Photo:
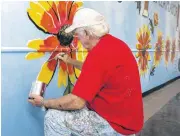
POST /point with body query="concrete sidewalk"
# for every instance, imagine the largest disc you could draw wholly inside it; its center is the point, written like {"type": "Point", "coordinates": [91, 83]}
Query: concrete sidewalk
{"type": "Point", "coordinates": [156, 100]}
{"type": "Point", "coordinates": [162, 111]}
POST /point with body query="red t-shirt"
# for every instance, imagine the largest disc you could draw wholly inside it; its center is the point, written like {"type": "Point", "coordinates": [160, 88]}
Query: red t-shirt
{"type": "Point", "coordinates": [110, 83]}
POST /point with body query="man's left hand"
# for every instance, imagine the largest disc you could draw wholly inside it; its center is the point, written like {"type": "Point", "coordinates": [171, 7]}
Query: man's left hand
{"type": "Point", "coordinates": [36, 100]}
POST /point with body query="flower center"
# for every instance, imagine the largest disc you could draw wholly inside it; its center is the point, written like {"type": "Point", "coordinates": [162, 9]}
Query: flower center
{"type": "Point", "coordinates": [143, 52]}
{"type": "Point", "coordinates": [65, 39]}
{"type": "Point", "coordinates": [158, 48]}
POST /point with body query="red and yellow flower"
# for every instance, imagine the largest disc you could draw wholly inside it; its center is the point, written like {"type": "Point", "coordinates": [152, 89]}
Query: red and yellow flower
{"type": "Point", "coordinates": [143, 37]}
{"type": "Point", "coordinates": [52, 17]}
{"type": "Point", "coordinates": [158, 49]}
{"type": "Point", "coordinates": [167, 51]}
{"type": "Point", "coordinates": [173, 52]}
{"type": "Point", "coordinates": [179, 41]}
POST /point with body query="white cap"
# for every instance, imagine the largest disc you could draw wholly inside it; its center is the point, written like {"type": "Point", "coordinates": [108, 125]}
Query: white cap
{"type": "Point", "coordinates": [85, 17]}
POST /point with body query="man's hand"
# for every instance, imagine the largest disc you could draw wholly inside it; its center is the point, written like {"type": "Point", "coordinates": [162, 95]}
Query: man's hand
{"type": "Point", "coordinates": [36, 100]}
{"type": "Point", "coordinates": [67, 59]}
{"type": "Point", "coordinates": [64, 57]}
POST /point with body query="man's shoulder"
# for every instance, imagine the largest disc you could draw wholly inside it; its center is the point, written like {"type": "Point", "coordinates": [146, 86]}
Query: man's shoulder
{"type": "Point", "coordinates": [110, 39]}
{"type": "Point", "coordinates": [107, 45]}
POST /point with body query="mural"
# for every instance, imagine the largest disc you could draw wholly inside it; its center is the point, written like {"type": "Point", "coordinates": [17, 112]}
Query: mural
{"type": "Point", "coordinates": [157, 53]}
{"type": "Point", "coordinates": [167, 51]}
{"type": "Point", "coordinates": [145, 41]}
{"type": "Point", "coordinates": [53, 17]}
{"type": "Point", "coordinates": [143, 37]}
{"type": "Point", "coordinates": [35, 31]}
{"type": "Point", "coordinates": [173, 52]}
{"type": "Point", "coordinates": [158, 49]}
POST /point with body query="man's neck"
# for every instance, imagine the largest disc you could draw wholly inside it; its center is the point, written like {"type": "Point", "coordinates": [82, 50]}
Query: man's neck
{"type": "Point", "coordinates": [94, 42]}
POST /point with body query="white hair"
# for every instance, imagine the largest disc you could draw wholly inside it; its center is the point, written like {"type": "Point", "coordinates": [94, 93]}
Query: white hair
{"type": "Point", "coordinates": [98, 30]}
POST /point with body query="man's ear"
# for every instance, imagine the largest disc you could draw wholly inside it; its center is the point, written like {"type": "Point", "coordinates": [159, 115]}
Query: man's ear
{"type": "Point", "coordinates": [86, 35]}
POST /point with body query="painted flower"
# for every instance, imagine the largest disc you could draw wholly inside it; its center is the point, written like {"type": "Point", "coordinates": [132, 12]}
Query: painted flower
{"type": "Point", "coordinates": [167, 51]}
{"type": "Point", "coordinates": [158, 50]}
{"type": "Point", "coordinates": [143, 37]}
{"type": "Point", "coordinates": [53, 17]}
{"type": "Point", "coordinates": [173, 52]}
{"type": "Point", "coordinates": [179, 44]}
{"type": "Point", "coordinates": [179, 41]}
{"type": "Point", "coordinates": [156, 19]}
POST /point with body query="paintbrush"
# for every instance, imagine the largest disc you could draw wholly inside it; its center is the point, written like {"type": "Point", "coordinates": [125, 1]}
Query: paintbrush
{"type": "Point", "coordinates": [62, 55]}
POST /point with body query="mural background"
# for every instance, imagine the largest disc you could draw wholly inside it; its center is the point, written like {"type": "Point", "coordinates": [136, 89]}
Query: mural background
{"type": "Point", "coordinates": [18, 116]}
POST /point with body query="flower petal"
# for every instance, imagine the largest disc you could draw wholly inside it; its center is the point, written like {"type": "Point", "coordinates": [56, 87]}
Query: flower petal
{"type": "Point", "coordinates": [148, 56]}
{"type": "Point", "coordinates": [139, 36]}
{"type": "Point", "coordinates": [143, 61]}
{"type": "Point", "coordinates": [79, 3]}
{"type": "Point", "coordinates": [34, 55]}
{"type": "Point", "coordinates": [45, 75]}
{"type": "Point", "coordinates": [69, 69]}
{"type": "Point", "coordinates": [143, 36]}
{"type": "Point", "coordinates": [50, 44]}
{"type": "Point", "coordinates": [74, 44]}
{"type": "Point", "coordinates": [76, 71]}
{"type": "Point", "coordinates": [71, 74]}
{"type": "Point", "coordinates": [47, 45]}
{"type": "Point", "coordinates": [139, 46]}
{"type": "Point", "coordinates": [66, 10]}
{"type": "Point", "coordinates": [61, 7]}
{"type": "Point", "coordinates": [173, 53]}
{"type": "Point", "coordinates": [42, 18]}
{"type": "Point", "coordinates": [167, 51]}
{"type": "Point", "coordinates": [148, 46]}
{"type": "Point", "coordinates": [52, 60]}
{"type": "Point", "coordinates": [81, 52]}
{"type": "Point", "coordinates": [50, 7]}
{"type": "Point", "coordinates": [35, 44]}
{"type": "Point", "coordinates": [62, 77]}
{"type": "Point", "coordinates": [137, 54]}
{"type": "Point", "coordinates": [157, 58]}
{"type": "Point", "coordinates": [81, 55]}
{"type": "Point", "coordinates": [72, 10]}
{"type": "Point", "coordinates": [36, 18]}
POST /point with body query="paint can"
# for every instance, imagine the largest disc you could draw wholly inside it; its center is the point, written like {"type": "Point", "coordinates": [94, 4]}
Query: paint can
{"type": "Point", "coordinates": [38, 88]}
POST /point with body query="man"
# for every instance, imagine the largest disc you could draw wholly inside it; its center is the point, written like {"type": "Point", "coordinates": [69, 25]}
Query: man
{"type": "Point", "coordinates": [107, 98]}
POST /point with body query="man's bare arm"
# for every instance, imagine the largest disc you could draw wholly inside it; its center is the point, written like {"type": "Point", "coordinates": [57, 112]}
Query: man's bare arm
{"type": "Point", "coordinates": [69, 60]}
{"type": "Point", "coordinates": [76, 63]}
{"type": "Point", "coordinates": [67, 102]}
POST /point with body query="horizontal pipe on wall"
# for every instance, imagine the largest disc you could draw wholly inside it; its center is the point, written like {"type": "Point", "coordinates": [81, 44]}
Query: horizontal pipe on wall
{"type": "Point", "coordinates": [16, 49]}
{"type": "Point", "coordinates": [26, 49]}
